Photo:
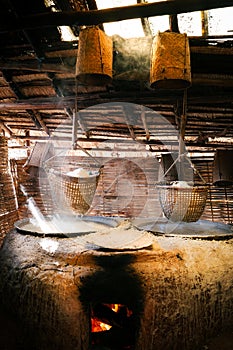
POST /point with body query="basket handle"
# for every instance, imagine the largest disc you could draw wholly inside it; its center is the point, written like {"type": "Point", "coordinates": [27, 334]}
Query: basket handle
{"type": "Point", "coordinates": [85, 151]}
{"type": "Point", "coordinates": [190, 162]}
{"type": "Point", "coordinates": [197, 172]}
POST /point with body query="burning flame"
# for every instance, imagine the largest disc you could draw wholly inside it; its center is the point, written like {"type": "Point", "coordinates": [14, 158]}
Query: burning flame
{"type": "Point", "coordinates": [116, 318]}
{"type": "Point", "coordinates": [115, 307]}
{"type": "Point", "coordinates": [99, 326]}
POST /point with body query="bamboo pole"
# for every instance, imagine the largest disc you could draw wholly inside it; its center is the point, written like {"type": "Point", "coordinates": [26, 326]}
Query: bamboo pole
{"type": "Point", "coordinates": [96, 17]}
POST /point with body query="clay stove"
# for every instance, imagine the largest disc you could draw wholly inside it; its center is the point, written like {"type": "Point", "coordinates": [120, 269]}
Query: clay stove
{"type": "Point", "coordinates": [173, 295]}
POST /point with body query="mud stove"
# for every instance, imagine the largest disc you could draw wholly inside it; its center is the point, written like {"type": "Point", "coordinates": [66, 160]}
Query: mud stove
{"type": "Point", "coordinates": [175, 294]}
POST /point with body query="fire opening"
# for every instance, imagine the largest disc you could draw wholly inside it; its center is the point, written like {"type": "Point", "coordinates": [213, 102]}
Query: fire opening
{"type": "Point", "coordinates": [112, 327]}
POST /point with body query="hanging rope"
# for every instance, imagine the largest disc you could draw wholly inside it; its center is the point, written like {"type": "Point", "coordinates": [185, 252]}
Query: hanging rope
{"type": "Point", "coordinates": [183, 123]}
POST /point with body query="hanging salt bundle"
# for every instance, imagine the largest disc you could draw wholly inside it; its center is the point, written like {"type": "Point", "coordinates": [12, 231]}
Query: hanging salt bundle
{"type": "Point", "coordinates": [170, 61]}
{"type": "Point", "coordinates": [95, 56]}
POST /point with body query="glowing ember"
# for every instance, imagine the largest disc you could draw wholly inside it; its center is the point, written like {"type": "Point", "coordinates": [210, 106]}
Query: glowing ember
{"type": "Point", "coordinates": [98, 323]}
{"type": "Point", "coordinates": [98, 326]}
{"type": "Point", "coordinates": [115, 307]}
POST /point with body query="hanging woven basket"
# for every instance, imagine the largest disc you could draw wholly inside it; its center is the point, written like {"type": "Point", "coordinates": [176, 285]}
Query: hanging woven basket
{"type": "Point", "coordinates": [73, 193]}
{"type": "Point", "coordinates": [170, 61]}
{"type": "Point", "coordinates": [95, 56]}
{"type": "Point", "coordinates": [182, 203]}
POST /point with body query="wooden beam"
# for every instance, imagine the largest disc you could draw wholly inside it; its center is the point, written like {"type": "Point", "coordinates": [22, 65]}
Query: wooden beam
{"type": "Point", "coordinates": [42, 123]}
{"type": "Point", "coordinates": [161, 101]}
{"type": "Point", "coordinates": [130, 127]}
{"type": "Point", "coordinates": [34, 104]}
{"type": "Point", "coordinates": [62, 68]}
{"type": "Point", "coordinates": [8, 78]}
{"type": "Point", "coordinates": [5, 128]}
{"type": "Point", "coordinates": [35, 66]}
{"type": "Point", "coordinates": [143, 117]}
{"type": "Point", "coordinates": [82, 126]}
{"type": "Point", "coordinates": [33, 119]}
{"type": "Point", "coordinates": [211, 50]}
{"type": "Point", "coordinates": [37, 120]}
{"type": "Point", "coordinates": [158, 144]}
{"type": "Point", "coordinates": [96, 17]}
{"type": "Point", "coordinates": [213, 79]}
{"type": "Point", "coordinates": [145, 22]}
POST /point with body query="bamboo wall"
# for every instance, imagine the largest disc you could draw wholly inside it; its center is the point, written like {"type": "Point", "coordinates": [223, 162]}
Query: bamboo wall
{"type": "Point", "coordinates": [219, 205]}
{"type": "Point", "coordinates": [8, 202]}
{"type": "Point", "coordinates": [126, 188]}
{"type": "Point", "coordinates": [29, 185]}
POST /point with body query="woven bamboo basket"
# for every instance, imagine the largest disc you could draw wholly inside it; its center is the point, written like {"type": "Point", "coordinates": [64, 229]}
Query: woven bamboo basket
{"type": "Point", "coordinates": [182, 203]}
{"type": "Point", "coordinates": [170, 61]}
{"type": "Point", "coordinates": [78, 192]}
{"type": "Point", "coordinates": [95, 57]}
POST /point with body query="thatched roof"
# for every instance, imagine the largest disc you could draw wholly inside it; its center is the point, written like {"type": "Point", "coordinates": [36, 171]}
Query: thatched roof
{"type": "Point", "coordinates": [38, 87]}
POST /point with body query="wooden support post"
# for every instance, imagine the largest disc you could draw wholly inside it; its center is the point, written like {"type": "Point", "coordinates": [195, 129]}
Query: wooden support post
{"type": "Point", "coordinates": [74, 130]}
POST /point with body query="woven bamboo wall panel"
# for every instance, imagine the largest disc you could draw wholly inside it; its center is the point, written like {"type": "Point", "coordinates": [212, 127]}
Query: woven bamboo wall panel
{"type": "Point", "coordinates": [126, 188]}
{"type": "Point", "coordinates": [219, 205]}
{"type": "Point", "coordinates": [7, 223]}
{"type": "Point", "coordinates": [29, 186]}
{"type": "Point", "coordinates": [8, 201]}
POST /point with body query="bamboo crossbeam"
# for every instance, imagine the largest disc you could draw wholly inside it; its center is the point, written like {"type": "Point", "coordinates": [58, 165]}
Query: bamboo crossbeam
{"type": "Point", "coordinates": [95, 17]}
{"type": "Point", "coordinates": [5, 128]}
{"type": "Point", "coordinates": [42, 123]}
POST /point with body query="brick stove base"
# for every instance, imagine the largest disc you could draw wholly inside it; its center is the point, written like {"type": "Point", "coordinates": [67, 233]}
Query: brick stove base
{"type": "Point", "coordinates": [180, 291]}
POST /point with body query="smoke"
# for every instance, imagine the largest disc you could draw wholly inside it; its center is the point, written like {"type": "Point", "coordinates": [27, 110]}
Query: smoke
{"type": "Point", "coordinates": [131, 58]}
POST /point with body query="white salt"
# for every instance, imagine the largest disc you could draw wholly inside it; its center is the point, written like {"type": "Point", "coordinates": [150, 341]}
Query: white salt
{"type": "Point", "coordinates": [180, 184]}
{"type": "Point", "coordinates": [80, 172]}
